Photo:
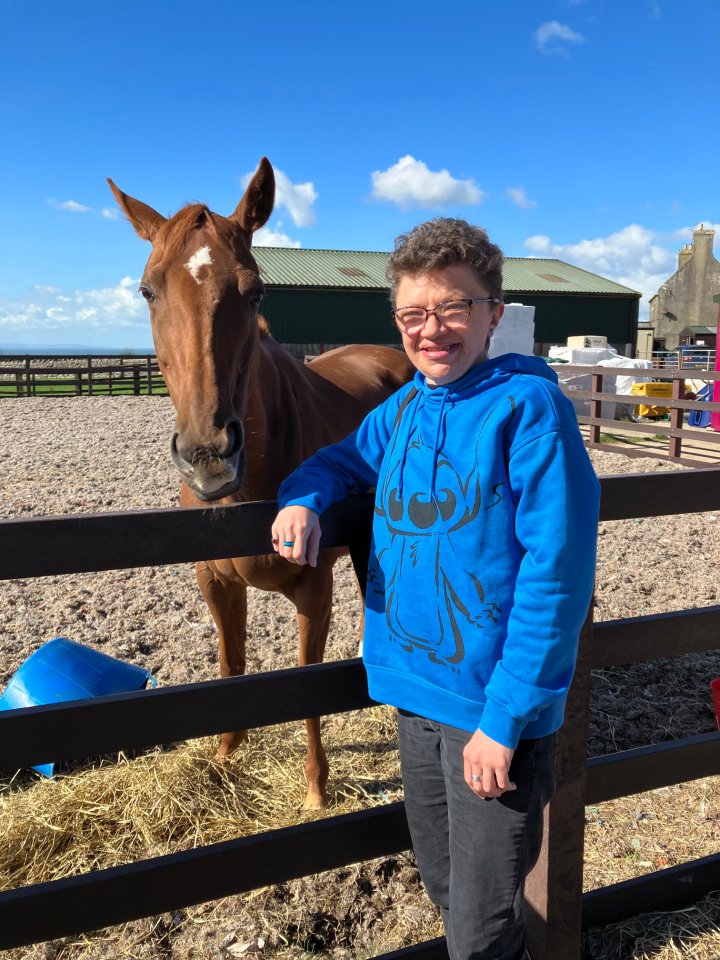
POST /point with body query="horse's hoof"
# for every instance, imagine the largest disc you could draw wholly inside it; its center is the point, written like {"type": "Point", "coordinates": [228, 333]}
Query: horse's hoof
{"type": "Point", "coordinates": [315, 800]}
{"type": "Point", "coordinates": [229, 744]}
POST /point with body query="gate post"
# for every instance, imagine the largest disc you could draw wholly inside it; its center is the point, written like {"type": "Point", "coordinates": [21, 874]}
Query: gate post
{"type": "Point", "coordinates": [676, 420]}
{"type": "Point", "coordinates": [553, 895]}
{"type": "Point", "coordinates": [596, 382]}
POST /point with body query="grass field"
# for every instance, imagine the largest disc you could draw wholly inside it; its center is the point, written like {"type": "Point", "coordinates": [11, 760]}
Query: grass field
{"type": "Point", "coordinates": [68, 387]}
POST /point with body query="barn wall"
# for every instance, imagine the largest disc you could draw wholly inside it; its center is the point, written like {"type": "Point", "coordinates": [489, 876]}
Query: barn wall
{"type": "Point", "coordinates": [363, 316]}
{"type": "Point", "coordinates": [560, 317]}
{"type": "Point", "coordinates": [329, 316]}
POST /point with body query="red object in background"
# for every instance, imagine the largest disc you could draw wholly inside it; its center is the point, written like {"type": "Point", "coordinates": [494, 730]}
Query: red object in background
{"type": "Point", "coordinates": [715, 690]}
{"type": "Point", "coordinates": [715, 417]}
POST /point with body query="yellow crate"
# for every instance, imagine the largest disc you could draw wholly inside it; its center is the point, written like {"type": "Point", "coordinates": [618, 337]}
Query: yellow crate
{"type": "Point", "coordinates": [661, 390]}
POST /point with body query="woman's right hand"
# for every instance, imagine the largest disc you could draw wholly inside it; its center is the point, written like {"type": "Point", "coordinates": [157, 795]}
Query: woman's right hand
{"type": "Point", "coordinates": [296, 535]}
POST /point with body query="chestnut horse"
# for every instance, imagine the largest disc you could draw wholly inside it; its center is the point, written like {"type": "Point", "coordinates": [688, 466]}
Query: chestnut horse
{"type": "Point", "coordinates": [247, 412]}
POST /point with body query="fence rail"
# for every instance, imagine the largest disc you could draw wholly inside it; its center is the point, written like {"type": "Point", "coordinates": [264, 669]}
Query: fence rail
{"type": "Point", "coordinates": [677, 405]}
{"type": "Point", "coordinates": [687, 357]}
{"type": "Point", "coordinates": [88, 376]}
{"type": "Point", "coordinates": [556, 906]}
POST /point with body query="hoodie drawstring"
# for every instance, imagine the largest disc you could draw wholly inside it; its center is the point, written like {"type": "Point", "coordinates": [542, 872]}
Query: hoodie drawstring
{"type": "Point", "coordinates": [419, 400]}
{"type": "Point", "coordinates": [404, 454]}
{"type": "Point", "coordinates": [436, 444]}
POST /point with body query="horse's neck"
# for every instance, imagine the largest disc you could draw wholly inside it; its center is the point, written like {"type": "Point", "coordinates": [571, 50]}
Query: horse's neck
{"type": "Point", "coordinates": [275, 433]}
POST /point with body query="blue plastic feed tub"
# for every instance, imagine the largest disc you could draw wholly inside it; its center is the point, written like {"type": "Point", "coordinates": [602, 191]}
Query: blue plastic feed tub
{"type": "Point", "coordinates": [701, 418]}
{"type": "Point", "coordinates": [61, 670]}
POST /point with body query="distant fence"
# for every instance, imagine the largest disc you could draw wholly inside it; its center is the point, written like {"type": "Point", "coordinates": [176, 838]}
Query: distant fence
{"type": "Point", "coordinates": [687, 358]}
{"type": "Point", "coordinates": [557, 908]}
{"type": "Point", "coordinates": [677, 405]}
{"type": "Point", "coordinates": [47, 375]}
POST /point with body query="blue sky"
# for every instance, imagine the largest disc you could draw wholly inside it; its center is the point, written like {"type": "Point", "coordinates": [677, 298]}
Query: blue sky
{"type": "Point", "coordinates": [581, 129]}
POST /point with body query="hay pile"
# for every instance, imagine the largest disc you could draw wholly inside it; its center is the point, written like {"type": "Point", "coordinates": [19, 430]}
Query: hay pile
{"type": "Point", "coordinates": [162, 802]}
{"type": "Point", "coordinates": [115, 812]}
{"type": "Point", "coordinates": [692, 934]}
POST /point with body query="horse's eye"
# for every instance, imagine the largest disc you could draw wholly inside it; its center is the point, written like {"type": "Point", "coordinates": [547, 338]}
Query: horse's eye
{"type": "Point", "coordinates": [255, 299]}
{"type": "Point", "coordinates": [147, 293]}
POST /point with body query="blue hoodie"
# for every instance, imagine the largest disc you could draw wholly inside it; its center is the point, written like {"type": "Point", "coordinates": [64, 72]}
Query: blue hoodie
{"type": "Point", "coordinates": [483, 553]}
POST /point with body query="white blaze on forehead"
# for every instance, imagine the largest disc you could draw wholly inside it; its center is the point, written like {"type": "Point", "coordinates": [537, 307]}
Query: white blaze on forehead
{"type": "Point", "coordinates": [201, 258]}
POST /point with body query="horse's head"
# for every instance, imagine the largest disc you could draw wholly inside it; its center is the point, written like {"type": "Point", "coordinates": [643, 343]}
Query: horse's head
{"type": "Point", "coordinates": [203, 289]}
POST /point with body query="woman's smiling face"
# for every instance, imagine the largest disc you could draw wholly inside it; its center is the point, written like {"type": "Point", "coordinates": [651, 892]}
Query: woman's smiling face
{"type": "Point", "coordinates": [442, 354]}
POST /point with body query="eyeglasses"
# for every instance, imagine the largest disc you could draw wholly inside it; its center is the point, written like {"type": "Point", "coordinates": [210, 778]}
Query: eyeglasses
{"type": "Point", "coordinates": [452, 313]}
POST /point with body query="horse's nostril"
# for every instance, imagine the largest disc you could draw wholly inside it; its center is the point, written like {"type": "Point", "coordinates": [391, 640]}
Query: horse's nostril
{"type": "Point", "coordinates": [235, 438]}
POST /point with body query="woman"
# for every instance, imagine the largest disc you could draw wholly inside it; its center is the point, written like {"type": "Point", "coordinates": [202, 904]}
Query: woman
{"type": "Point", "coordinates": [479, 580]}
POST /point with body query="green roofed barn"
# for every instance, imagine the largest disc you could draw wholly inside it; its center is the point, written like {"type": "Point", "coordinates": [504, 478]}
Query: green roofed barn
{"type": "Point", "coordinates": [319, 298]}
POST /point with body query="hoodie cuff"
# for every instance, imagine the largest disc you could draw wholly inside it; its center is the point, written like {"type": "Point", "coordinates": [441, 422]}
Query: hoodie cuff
{"type": "Point", "coordinates": [497, 724]}
{"type": "Point", "coordinates": [311, 501]}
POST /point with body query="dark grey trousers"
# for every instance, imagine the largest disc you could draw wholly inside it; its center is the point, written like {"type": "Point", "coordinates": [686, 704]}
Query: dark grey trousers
{"type": "Point", "coordinates": [474, 854]}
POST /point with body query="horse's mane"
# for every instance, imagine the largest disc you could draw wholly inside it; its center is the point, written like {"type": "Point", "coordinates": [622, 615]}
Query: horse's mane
{"type": "Point", "coordinates": [178, 228]}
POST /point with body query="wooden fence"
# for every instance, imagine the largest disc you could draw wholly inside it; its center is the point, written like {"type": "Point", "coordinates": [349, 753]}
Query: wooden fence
{"type": "Point", "coordinates": [140, 375]}
{"type": "Point", "coordinates": [64, 376]}
{"type": "Point", "coordinates": [557, 908]}
{"type": "Point", "coordinates": [677, 404]}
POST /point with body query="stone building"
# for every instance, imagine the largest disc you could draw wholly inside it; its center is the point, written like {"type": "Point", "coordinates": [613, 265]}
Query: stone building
{"type": "Point", "coordinates": [682, 311]}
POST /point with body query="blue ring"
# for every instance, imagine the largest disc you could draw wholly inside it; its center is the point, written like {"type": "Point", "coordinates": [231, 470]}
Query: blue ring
{"type": "Point", "coordinates": [289, 543]}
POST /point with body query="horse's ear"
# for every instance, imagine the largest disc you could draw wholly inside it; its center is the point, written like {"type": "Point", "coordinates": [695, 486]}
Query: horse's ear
{"type": "Point", "coordinates": [255, 208]}
{"type": "Point", "coordinates": [144, 219]}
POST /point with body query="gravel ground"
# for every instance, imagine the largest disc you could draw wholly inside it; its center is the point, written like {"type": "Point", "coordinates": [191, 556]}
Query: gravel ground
{"type": "Point", "coordinates": [105, 454]}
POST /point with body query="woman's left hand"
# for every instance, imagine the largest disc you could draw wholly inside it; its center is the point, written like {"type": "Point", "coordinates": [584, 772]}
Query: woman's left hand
{"type": "Point", "coordinates": [296, 535]}
{"type": "Point", "coordinates": [487, 766]}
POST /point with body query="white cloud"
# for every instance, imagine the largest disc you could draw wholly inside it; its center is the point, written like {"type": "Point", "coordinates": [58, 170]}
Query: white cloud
{"type": "Point", "coordinates": [551, 34]}
{"type": "Point", "coordinates": [48, 309]}
{"type": "Point", "coordinates": [632, 256]}
{"type": "Point", "coordinates": [296, 198]}
{"type": "Point", "coordinates": [520, 198]}
{"type": "Point", "coordinates": [268, 237]}
{"type": "Point", "coordinates": [72, 206]}
{"type": "Point", "coordinates": [409, 183]}
{"type": "Point", "coordinates": [685, 233]}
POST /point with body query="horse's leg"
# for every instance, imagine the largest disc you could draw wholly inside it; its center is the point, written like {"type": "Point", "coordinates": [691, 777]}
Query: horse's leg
{"type": "Point", "coordinates": [227, 601]}
{"type": "Point", "coordinates": [311, 593]}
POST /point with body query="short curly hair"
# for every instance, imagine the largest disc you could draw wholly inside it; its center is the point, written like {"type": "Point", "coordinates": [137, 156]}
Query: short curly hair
{"type": "Point", "coordinates": [444, 242]}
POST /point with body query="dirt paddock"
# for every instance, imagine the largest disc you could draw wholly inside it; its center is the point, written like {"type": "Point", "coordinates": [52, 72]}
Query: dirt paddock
{"type": "Point", "coordinates": [104, 454]}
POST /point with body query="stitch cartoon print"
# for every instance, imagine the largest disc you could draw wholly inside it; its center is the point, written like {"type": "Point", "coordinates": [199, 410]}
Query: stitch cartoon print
{"type": "Point", "coordinates": [426, 530]}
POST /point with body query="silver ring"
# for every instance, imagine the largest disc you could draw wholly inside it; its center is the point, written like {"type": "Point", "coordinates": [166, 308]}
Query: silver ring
{"type": "Point", "coordinates": [475, 778]}
{"type": "Point", "coordinates": [289, 543]}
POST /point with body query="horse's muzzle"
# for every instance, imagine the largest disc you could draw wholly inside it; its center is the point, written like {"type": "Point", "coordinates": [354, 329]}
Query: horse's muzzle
{"type": "Point", "coordinates": [211, 472]}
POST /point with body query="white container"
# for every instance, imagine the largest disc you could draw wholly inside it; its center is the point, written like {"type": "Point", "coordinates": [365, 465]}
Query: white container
{"type": "Point", "coordinates": [623, 383]}
{"type": "Point", "coordinates": [571, 382]}
{"type": "Point", "coordinates": [515, 333]}
{"type": "Point", "coordinates": [585, 355]}
{"type": "Point", "coordinates": [587, 341]}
